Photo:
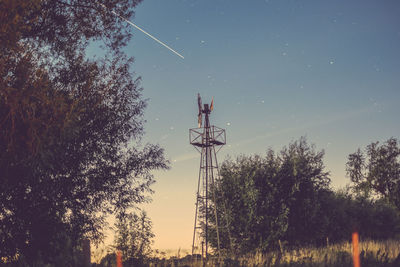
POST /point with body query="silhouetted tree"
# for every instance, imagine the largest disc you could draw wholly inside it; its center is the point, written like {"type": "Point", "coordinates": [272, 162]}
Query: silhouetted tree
{"type": "Point", "coordinates": [303, 180]}
{"type": "Point", "coordinates": [271, 198]}
{"type": "Point", "coordinates": [286, 196]}
{"type": "Point", "coordinates": [341, 212]}
{"type": "Point", "coordinates": [70, 126]}
{"type": "Point", "coordinates": [241, 199]}
{"type": "Point", "coordinates": [134, 237]}
{"type": "Point", "coordinates": [376, 172]}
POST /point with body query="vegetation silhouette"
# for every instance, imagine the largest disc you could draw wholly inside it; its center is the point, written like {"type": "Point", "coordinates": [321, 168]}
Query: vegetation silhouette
{"type": "Point", "coordinates": [285, 199]}
{"type": "Point", "coordinates": [70, 126]}
{"type": "Point", "coordinates": [376, 172]}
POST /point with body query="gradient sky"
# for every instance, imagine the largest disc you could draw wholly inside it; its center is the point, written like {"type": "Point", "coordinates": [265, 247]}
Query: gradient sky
{"type": "Point", "coordinates": [278, 70]}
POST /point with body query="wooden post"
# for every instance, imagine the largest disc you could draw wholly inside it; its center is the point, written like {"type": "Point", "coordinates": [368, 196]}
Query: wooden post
{"type": "Point", "coordinates": [119, 259]}
{"type": "Point", "coordinates": [356, 255]}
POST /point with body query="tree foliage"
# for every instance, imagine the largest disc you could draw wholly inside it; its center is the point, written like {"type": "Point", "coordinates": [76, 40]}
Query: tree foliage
{"type": "Point", "coordinates": [70, 126]}
{"type": "Point", "coordinates": [134, 237]}
{"type": "Point", "coordinates": [376, 171]}
{"type": "Point", "coordinates": [271, 198]}
{"type": "Point", "coordinates": [286, 197]}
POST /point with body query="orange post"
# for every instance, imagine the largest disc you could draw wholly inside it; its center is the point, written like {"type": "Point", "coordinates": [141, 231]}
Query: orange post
{"type": "Point", "coordinates": [119, 259]}
{"type": "Point", "coordinates": [356, 255]}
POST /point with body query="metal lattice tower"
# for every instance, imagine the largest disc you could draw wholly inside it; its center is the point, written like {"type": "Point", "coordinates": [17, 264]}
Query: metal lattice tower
{"type": "Point", "coordinates": [208, 140]}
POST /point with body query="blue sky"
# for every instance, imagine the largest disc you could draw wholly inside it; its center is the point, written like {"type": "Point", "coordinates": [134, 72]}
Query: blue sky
{"type": "Point", "coordinates": [278, 70]}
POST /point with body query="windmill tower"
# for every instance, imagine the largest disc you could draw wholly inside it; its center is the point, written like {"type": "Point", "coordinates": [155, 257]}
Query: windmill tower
{"type": "Point", "coordinates": [208, 140]}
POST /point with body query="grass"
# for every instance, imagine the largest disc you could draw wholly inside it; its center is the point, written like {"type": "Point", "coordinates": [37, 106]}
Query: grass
{"type": "Point", "coordinates": [372, 254]}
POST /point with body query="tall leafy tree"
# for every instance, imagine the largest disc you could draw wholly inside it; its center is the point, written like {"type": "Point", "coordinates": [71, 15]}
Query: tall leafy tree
{"type": "Point", "coordinates": [303, 181]}
{"type": "Point", "coordinates": [245, 190]}
{"type": "Point", "coordinates": [266, 199]}
{"type": "Point", "coordinates": [70, 126]}
{"type": "Point", "coordinates": [376, 171]}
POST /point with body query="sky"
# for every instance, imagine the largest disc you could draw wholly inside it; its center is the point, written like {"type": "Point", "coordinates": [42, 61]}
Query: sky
{"type": "Point", "coordinates": [278, 70]}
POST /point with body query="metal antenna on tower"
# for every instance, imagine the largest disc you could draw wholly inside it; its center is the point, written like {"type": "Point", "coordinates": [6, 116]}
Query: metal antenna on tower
{"type": "Point", "coordinates": [208, 140]}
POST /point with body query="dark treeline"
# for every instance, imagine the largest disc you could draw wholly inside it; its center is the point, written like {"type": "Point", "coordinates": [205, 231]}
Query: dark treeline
{"type": "Point", "coordinates": [285, 199]}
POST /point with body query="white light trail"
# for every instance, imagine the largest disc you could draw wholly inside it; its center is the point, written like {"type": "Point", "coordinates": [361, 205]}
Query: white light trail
{"type": "Point", "coordinates": [148, 34]}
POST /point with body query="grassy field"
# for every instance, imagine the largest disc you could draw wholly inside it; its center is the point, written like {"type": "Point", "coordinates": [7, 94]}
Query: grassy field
{"type": "Point", "coordinates": [372, 254]}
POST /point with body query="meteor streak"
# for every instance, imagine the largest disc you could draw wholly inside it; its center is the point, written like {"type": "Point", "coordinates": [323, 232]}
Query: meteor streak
{"type": "Point", "coordinates": [140, 29]}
